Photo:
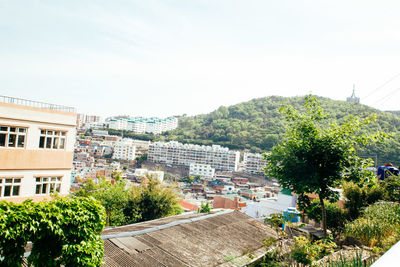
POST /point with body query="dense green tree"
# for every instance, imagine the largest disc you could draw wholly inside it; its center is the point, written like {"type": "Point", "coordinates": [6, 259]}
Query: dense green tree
{"type": "Point", "coordinates": [155, 201]}
{"type": "Point", "coordinates": [126, 204]}
{"type": "Point", "coordinates": [315, 155]}
{"type": "Point", "coordinates": [113, 197]}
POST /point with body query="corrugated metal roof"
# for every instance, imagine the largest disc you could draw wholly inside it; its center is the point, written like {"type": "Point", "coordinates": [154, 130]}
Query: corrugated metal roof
{"type": "Point", "coordinates": [187, 240]}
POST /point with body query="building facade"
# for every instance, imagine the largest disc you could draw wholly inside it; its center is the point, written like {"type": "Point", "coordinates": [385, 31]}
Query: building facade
{"type": "Point", "coordinates": [177, 154]}
{"type": "Point", "coordinates": [36, 149]}
{"type": "Point", "coordinates": [202, 170]}
{"type": "Point", "coordinates": [83, 119]}
{"type": "Point", "coordinates": [141, 125]}
{"type": "Point", "coordinates": [124, 150]}
{"type": "Point", "coordinates": [254, 163]}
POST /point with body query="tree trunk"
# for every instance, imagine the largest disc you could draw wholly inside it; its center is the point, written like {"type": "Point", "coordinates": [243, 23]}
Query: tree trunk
{"type": "Point", "coordinates": [321, 200]}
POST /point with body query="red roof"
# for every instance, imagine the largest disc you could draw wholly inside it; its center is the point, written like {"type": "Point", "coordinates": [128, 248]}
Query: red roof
{"type": "Point", "coordinates": [188, 206]}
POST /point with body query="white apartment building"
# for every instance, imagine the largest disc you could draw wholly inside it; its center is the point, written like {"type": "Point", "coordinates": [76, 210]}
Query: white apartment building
{"type": "Point", "coordinates": [203, 170]}
{"type": "Point", "coordinates": [174, 153]}
{"type": "Point", "coordinates": [118, 124]}
{"type": "Point", "coordinates": [36, 149]}
{"type": "Point", "coordinates": [124, 150]}
{"type": "Point", "coordinates": [83, 119]}
{"type": "Point", "coordinates": [254, 163]}
{"type": "Point", "coordinates": [141, 125]}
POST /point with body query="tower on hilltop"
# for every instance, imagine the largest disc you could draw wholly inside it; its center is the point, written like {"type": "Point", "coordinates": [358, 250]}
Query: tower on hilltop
{"type": "Point", "coordinates": [353, 97]}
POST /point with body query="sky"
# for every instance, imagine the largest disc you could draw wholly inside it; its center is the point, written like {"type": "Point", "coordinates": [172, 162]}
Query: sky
{"type": "Point", "coordinates": [173, 57]}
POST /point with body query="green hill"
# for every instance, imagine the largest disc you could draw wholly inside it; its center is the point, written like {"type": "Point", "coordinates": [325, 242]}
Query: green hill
{"type": "Point", "coordinates": [257, 125]}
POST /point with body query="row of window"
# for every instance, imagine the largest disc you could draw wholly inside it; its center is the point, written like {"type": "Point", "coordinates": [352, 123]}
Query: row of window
{"type": "Point", "coordinates": [15, 137]}
{"type": "Point", "coordinates": [10, 187]}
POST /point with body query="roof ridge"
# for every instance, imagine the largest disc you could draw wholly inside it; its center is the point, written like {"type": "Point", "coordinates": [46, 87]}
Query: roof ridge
{"type": "Point", "coordinates": [164, 226]}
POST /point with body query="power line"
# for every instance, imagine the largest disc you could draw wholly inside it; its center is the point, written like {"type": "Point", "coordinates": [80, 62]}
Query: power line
{"type": "Point", "coordinates": [383, 98]}
{"type": "Point", "coordinates": [381, 86]}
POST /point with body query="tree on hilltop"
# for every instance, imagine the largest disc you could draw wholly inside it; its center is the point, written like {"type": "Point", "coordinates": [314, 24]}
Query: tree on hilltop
{"type": "Point", "coordinates": [316, 155]}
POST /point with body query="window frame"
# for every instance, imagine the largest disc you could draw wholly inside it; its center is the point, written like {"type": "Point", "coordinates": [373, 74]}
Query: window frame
{"type": "Point", "coordinates": [52, 139]}
{"type": "Point", "coordinates": [16, 182]}
{"type": "Point", "coordinates": [18, 133]}
{"type": "Point", "coordinates": [50, 184]}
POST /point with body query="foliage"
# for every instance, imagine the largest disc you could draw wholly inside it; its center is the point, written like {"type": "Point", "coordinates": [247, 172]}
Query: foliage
{"type": "Point", "coordinates": [379, 226]}
{"type": "Point", "coordinates": [140, 159]}
{"type": "Point", "coordinates": [272, 258]}
{"type": "Point", "coordinates": [276, 220]}
{"type": "Point", "coordinates": [188, 179]}
{"type": "Point", "coordinates": [335, 216]}
{"type": "Point", "coordinates": [126, 204]}
{"type": "Point", "coordinates": [257, 125]}
{"type": "Point", "coordinates": [71, 225]}
{"type": "Point", "coordinates": [156, 201]}
{"type": "Point", "coordinates": [391, 188]}
{"type": "Point", "coordinates": [205, 207]}
{"type": "Point", "coordinates": [360, 196]}
{"type": "Point", "coordinates": [315, 154]}
{"type": "Point", "coordinates": [130, 134]}
{"type": "Point", "coordinates": [355, 261]}
{"type": "Point", "coordinates": [307, 252]}
{"type": "Point", "coordinates": [113, 197]}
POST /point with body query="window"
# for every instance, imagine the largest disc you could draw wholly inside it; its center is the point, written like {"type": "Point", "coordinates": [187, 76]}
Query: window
{"type": "Point", "coordinates": [9, 187]}
{"type": "Point", "coordinates": [47, 185]}
{"type": "Point", "coordinates": [50, 139]}
{"type": "Point", "coordinates": [11, 136]}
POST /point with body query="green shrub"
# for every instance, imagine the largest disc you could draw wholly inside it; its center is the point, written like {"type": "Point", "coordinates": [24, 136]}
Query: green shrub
{"type": "Point", "coordinates": [307, 252]}
{"type": "Point", "coordinates": [391, 188]}
{"type": "Point", "coordinates": [125, 204]}
{"type": "Point", "coordinates": [65, 231]}
{"type": "Point", "coordinates": [379, 226]}
{"type": "Point", "coordinates": [205, 208]}
{"type": "Point", "coordinates": [359, 197]}
{"type": "Point", "coordinates": [335, 215]}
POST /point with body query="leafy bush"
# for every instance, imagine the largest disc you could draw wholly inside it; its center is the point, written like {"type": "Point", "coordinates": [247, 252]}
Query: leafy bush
{"type": "Point", "coordinates": [391, 188]}
{"type": "Point", "coordinates": [65, 231]}
{"type": "Point", "coordinates": [359, 197]}
{"type": "Point", "coordinates": [379, 226]}
{"type": "Point", "coordinates": [155, 201]}
{"type": "Point", "coordinates": [335, 216]}
{"type": "Point", "coordinates": [126, 204]}
{"type": "Point", "coordinates": [205, 208]}
{"type": "Point", "coordinates": [306, 252]}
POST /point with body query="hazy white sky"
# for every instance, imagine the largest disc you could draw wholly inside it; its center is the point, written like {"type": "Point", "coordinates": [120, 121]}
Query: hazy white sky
{"type": "Point", "coordinates": [172, 57]}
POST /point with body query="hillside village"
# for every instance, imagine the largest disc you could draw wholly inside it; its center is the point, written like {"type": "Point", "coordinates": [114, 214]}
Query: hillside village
{"type": "Point", "coordinates": [231, 184]}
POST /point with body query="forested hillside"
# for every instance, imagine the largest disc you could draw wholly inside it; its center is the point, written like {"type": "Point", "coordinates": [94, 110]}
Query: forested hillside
{"type": "Point", "coordinates": [257, 125]}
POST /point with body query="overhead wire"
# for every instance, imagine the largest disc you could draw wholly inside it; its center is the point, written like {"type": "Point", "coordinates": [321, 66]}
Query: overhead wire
{"type": "Point", "coordinates": [386, 96]}
{"type": "Point", "coordinates": [381, 86]}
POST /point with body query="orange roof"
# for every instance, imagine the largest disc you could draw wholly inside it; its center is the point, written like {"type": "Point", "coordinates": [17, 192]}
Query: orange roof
{"type": "Point", "coordinates": [188, 206]}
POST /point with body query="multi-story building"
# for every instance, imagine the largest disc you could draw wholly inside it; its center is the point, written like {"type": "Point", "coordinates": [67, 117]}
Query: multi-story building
{"type": "Point", "coordinates": [142, 125]}
{"type": "Point", "coordinates": [142, 147]}
{"type": "Point", "coordinates": [124, 150]}
{"type": "Point", "coordinates": [36, 149]}
{"type": "Point", "coordinates": [254, 162]}
{"type": "Point", "coordinates": [202, 170]}
{"type": "Point", "coordinates": [83, 119]}
{"type": "Point", "coordinates": [174, 153]}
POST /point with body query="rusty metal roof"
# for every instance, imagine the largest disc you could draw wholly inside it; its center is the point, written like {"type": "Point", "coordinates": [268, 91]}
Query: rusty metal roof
{"type": "Point", "coordinates": [224, 238]}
